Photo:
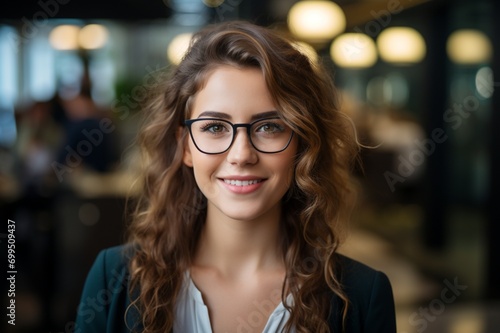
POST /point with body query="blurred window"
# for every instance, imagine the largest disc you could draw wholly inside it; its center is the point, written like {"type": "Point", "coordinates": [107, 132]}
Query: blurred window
{"type": "Point", "coordinates": [8, 85]}
{"type": "Point", "coordinates": [40, 77]}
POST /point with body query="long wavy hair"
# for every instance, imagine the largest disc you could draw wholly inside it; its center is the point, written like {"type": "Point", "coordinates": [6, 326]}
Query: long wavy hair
{"type": "Point", "coordinates": [171, 211]}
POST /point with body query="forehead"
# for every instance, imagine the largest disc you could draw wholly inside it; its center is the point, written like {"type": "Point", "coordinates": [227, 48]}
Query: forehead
{"type": "Point", "coordinates": [238, 92]}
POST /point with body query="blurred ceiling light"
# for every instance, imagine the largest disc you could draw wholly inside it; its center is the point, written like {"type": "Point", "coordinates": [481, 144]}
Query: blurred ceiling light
{"type": "Point", "coordinates": [316, 21]}
{"type": "Point", "coordinates": [353, 50]}
{"type": "Point", "coordinates": [401, 45]}
{"type": "Point", "coordinates": [64, 37]}
{"type": "Point", "coordinates": [468, 46]}
{"type": "Point", "coordinates": [306, 50]}
{"type": "Point", "coordinates": [213, 3]}
{"type": "Point", "coordinates": [178, 47]}
{"type": "Point", "coordinates": [93, 36]}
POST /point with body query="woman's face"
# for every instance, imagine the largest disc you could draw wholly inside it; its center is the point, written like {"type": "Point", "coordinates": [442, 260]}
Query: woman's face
{"type": "Point", "coordinates": [240, 183]}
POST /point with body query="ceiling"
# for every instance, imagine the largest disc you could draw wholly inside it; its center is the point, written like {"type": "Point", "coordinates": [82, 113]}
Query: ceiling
{"type": "Point", "coordinates": [357, 11]}
{"type": "Point", "coordinates": [86, 9]}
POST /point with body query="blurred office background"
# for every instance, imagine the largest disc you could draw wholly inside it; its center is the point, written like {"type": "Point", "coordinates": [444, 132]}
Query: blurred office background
{"type": "Point", "coordinates": [418, 78]}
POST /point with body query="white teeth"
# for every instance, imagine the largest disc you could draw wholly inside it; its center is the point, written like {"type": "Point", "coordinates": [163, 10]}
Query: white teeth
{"type": "Point", "coordinates": [241, 182]}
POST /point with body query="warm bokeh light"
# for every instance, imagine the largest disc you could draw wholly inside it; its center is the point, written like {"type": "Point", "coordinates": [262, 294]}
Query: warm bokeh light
{"type": "Point", "coordinates": [64, 37]}
{"type": "Point", "coordinates": [468, 46]}
{"type": "Point", "coordinates": [93, 36]}
{"type": "Point", "coordinates": [307, 50]}
{"type": "Point", "coordinates": [353, 50]}
{"type": "Point", "coordinates": [401, 45]}
{"type": "Point", "coordinates": [178, 47]}
{"type": "Point", "coordinates": [316, 21]}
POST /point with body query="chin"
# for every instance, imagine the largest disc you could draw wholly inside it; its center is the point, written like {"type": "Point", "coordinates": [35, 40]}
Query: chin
{"type": "Point", "coordinates": [247, 213]}
{"type": "Point", "coordinates": [241, 217]}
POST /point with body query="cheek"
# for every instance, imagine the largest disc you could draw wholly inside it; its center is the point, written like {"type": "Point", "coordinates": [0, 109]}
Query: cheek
{"type": "Point", "coordinates": [286, 168]}
{"type": "Point", "coordinates": [204, 169]}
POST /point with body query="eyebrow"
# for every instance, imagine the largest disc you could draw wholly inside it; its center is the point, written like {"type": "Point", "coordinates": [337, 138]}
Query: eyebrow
{"type": "Point", "coordinates": [222, 115]}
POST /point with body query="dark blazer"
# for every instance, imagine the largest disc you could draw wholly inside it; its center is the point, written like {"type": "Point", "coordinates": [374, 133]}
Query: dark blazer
{"type": "Point", "coordinates": [105, 297]}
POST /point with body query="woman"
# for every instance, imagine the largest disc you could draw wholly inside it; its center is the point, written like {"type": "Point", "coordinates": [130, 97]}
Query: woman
{"type": "Point", "coordinates": [246, 192]}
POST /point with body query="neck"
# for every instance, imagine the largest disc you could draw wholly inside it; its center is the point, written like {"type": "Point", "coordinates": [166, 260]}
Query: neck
{"type": "Point", "coordinates": [235, 247]}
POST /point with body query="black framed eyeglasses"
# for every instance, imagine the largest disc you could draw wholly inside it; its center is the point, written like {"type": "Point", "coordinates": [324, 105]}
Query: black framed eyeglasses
{"type": "Point", "coordinates": [215, 136]}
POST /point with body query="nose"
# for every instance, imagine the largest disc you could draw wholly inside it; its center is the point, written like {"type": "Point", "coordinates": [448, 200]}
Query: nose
{"type": "Point", "coordinates": [241, 151]}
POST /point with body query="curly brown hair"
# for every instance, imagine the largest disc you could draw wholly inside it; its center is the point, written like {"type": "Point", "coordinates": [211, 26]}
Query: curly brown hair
{"type": "Point", "coordinates": [171, 211]}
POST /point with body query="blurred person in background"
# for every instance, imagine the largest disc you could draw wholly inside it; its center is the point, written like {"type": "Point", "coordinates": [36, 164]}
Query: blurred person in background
{"type": "Point", "coordinates": [86, 143]}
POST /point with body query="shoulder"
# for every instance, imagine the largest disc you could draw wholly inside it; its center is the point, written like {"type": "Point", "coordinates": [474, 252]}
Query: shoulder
{"type": "Point", "coordinates": [105, 296]}
{"type": "Point", "coordinates": [111, 264]}
{"type": "Point", "coordinates": [371, 301]}
{"type": "Point", "coordinates": [360, 280]}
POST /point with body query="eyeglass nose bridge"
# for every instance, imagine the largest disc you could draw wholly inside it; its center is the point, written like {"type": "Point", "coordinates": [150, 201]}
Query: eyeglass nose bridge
{"type": "Point", "coordinates": [248, 130]}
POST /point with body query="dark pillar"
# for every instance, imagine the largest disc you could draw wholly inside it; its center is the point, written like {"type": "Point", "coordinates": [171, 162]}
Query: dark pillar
{"type": "Point", "coordinates": [436, 187]}
{"type": "Point", "coordinates": [493, 227]}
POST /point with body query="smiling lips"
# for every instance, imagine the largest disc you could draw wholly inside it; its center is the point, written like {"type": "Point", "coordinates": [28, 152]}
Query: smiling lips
{"type": "Point", "coordinates": [241, 182]}
{"type": "Point", "coordinates": [242, 186]}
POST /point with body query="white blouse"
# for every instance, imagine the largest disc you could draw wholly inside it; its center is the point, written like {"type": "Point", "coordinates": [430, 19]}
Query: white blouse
{"type": "Point", "coordinates": [192, 313]}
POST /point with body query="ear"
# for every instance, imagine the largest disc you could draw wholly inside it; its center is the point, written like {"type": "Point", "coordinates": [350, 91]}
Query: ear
{"type": "Point", "coordinates": [186, 157]}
